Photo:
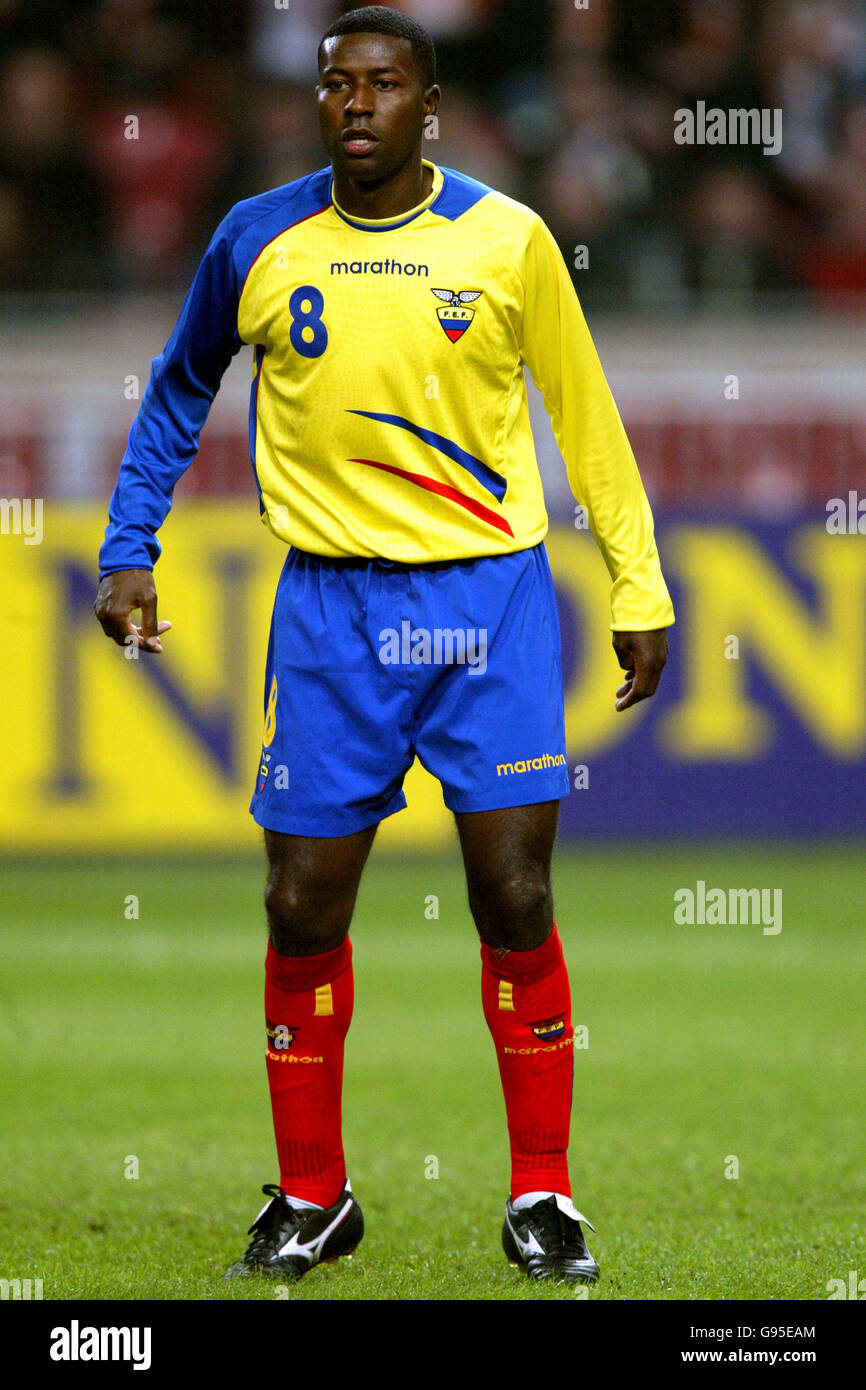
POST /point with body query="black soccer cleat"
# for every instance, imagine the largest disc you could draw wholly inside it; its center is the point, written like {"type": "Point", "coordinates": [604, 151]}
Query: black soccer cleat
{"type": "Point", "coordinates": [546, 1240]}
{"type": "Point", "coordinates": [288, 1241]}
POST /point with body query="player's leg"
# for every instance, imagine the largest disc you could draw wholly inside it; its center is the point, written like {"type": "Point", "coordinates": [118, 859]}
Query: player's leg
{"type": "Point", "coordinates": [495, 737]}
{"type": "Point", "coordinates": [527, 1006]}
{"type": "Point", "coordinates": [311, 889]}
{"type": "Point", "coordinates": [334, 751]}
{"type": "Point", "coordinates": [309, 995]}
{"type": "Point", "coordinates": [507, 854]}
{"type": "Point", "coordinates": [525, 987]}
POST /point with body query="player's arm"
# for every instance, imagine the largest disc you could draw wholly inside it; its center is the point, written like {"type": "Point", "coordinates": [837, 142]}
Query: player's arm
{"type": "Point", "coordinates": [561, 356]}
{"type": "Point", "coordinates": [163, 442]}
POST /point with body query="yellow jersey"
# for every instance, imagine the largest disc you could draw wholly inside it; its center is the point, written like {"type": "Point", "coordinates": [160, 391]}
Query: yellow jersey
{"type": "Point", "coordinates": [388, 413]}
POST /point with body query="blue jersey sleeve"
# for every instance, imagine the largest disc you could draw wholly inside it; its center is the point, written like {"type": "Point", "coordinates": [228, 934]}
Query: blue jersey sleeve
{"type": "Point", "coordinates": [183, 382]}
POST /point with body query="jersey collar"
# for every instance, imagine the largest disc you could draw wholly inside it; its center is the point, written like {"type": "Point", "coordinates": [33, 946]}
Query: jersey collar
{"type": "Point", "coordinates": [387, 224]}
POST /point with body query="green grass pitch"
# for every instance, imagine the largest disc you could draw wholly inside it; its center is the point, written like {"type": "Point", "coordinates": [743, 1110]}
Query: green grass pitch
{"type": "Point", "coordinates": [143, 1039]}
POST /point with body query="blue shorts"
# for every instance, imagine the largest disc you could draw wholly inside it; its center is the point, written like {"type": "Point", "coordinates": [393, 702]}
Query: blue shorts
{"type": "Point", "coordinates": [371, 663]}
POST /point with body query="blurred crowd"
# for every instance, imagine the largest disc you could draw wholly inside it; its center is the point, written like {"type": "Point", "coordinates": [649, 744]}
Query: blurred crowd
{"type": "Point", "coordinates": [128, 128]}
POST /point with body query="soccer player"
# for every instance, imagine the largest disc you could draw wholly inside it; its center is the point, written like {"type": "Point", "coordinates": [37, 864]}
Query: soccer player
{"type": "Point", "coordinates": [391, 306]}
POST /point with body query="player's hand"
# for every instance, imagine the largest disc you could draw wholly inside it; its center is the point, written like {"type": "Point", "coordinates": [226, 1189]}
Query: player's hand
{"type": "Point", "coordinates": [642, 655]}
{"type": "Point", "coordinates": [120, 594]}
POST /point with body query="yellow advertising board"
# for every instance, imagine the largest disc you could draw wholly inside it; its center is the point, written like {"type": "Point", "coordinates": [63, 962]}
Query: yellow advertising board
{"type": "Point", "coordinates": [102, 751]}
{"type": "Point", "coordinates": [761, 723]}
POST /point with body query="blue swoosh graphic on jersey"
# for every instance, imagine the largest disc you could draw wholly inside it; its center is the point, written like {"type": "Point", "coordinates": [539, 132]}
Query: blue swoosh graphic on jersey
{"type": "Point", "coordinates": [488, 477]}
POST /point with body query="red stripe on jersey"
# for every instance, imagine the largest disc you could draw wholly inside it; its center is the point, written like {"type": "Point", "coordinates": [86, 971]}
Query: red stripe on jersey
{"type": "Point", "coordinates": [443, 490]}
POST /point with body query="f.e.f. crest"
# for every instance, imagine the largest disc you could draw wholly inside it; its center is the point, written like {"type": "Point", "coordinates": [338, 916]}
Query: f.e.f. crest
{"type": "Point", "coordinates": [456, 318]}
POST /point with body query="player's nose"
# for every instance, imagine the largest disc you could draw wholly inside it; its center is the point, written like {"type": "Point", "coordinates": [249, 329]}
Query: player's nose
{"type": "Point", "coordinates": [360, 101]}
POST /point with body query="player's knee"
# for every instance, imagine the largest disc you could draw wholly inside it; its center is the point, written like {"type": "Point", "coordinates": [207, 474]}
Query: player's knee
{"type": "Point", "coordinates": [304, 918]}
{"type": "Point", "coordinates": [515, 904]}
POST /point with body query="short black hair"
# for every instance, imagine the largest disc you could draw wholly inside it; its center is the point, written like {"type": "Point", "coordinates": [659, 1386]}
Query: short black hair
{"type": "Point", "coordinates": [379, 19]}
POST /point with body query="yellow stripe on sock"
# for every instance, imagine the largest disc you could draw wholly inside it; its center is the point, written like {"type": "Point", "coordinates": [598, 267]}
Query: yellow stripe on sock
{"type": "Point", "coordinates": [324, 1000]}
{"type": "Point", "coordinates": [506, 994]}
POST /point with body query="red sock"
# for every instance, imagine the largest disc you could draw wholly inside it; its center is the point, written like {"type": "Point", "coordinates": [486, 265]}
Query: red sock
{"type": "Point", "coordinates": [308, 1008]}
{"type": "Point", "coordinates": [527, 1005]}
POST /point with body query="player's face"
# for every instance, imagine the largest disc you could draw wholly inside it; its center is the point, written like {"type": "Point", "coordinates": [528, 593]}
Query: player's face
{"type": "Point", "coordinates": [371, 104]}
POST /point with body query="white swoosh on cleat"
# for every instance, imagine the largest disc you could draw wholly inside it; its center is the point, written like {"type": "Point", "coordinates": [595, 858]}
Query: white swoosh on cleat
{"type": "Point", "coordinates": [311, 1249]}
{"type": "Point", "coordinates": [526, 1247]}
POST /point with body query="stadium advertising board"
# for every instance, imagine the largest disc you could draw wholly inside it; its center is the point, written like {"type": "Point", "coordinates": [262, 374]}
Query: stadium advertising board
{"type": "Point", "coordinates": [759, 726]}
